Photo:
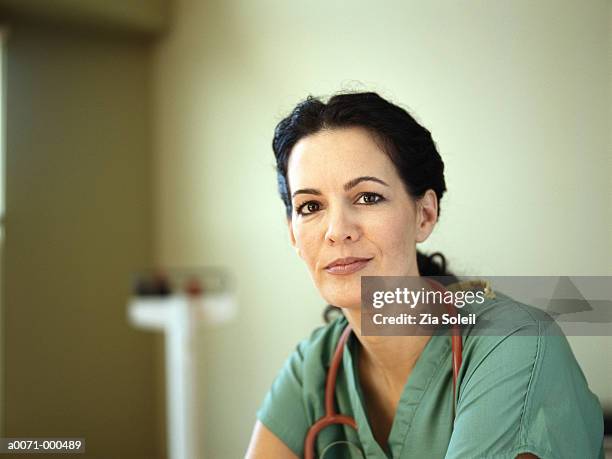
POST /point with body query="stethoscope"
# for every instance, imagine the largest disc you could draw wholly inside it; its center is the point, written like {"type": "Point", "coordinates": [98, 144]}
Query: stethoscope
{"type": "Point", "coordinates": [331, 417]}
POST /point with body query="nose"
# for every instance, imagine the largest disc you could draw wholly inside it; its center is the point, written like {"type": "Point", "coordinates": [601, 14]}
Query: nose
{"type": "Point", "coordinates": [341, 228]}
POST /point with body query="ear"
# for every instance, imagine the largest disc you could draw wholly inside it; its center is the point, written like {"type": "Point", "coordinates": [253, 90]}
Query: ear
{"type": "Point", "coordinates": [426, 215]}
{"type": "Point", "coordinates": [292, 237]}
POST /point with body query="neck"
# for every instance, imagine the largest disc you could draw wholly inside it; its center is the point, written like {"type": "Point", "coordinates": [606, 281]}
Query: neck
{"type": "Point", "coordinates": [391, 358]}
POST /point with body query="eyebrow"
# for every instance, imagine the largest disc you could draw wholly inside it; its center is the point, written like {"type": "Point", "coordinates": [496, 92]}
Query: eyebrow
{"type": "Point", "coordinates": [347, 186]}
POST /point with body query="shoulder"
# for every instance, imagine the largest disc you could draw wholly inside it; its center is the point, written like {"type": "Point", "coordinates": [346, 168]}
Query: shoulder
{"type": "Point", "coordinates": [306, 366]}
{"type": "Point", "coordinates": [506, 325]}
{"type": "Point", "coordinates": [315, 351]}
{"type": "Point", "coordinates": [520, 337]}
{"type": "Point", "coordinates": [517, 361]}
{"type": "Point", "coordinates": [288, 407]}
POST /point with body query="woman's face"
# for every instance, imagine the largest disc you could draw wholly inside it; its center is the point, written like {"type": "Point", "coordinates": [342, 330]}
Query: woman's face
{"type": "Point", "coordinates": [352, 216]}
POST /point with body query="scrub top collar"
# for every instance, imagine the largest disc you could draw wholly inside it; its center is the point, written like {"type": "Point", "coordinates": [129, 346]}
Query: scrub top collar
{"type": "Point", "coordinates": [435, 353]}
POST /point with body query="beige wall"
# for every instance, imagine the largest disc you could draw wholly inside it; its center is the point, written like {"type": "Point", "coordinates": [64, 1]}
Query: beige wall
{"type": "Point", "coordinates": [517, 96]}
{"type": "Point", "coordinates": [78, 224]}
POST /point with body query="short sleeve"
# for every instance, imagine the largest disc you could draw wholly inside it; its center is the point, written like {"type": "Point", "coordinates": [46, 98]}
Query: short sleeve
{"type": "Point", "coordinates": [527, 394]}
{"type": "Point", "coordinates": [283, 411]}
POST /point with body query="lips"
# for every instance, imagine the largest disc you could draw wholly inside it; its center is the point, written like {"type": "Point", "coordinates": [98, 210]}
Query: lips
{"type": "Point", "coordinates": [347, 265]}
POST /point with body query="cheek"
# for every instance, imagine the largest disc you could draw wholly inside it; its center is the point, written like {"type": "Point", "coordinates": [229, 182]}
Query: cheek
{"type": "Point", "coordinates": [306, 243]}
{"type": "Point", "coordinates": [395, 236]}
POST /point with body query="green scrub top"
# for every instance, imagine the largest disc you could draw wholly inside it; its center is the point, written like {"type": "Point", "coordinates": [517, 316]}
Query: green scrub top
{"type": "Point", "coordinates": [518, 390]}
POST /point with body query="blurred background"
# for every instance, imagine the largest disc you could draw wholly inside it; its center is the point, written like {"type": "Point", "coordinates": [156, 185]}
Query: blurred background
{"type": "Point", "coordinates": [137, 134]}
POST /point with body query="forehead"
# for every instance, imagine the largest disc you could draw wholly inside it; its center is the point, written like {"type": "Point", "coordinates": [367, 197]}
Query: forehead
{"type": "Point", "coordinates": [334, 156]}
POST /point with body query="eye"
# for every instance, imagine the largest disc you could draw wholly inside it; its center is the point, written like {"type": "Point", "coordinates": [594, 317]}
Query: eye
{"type": "Point", "coordinates": [307, 208]}
{"type": "Point", "coordinates": [369, 198]}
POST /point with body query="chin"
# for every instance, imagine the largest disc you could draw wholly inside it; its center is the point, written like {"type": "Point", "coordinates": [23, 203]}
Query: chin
{"type": "Point", "coordinates": [350, 300]}
{"type": "Point", "coordinates": [342, 291]}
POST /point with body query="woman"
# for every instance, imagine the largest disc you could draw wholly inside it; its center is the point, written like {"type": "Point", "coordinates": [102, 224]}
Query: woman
{"type": "Point", "coordinates": [361, 181]}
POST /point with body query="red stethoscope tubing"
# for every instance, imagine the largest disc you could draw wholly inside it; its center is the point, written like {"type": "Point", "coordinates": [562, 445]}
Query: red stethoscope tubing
{"type": "Point", "coordinates": [331, 417]}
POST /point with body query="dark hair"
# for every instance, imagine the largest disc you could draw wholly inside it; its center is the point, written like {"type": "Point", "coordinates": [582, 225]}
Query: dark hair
{"type": "Point", "coordinates": [408, 145]}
